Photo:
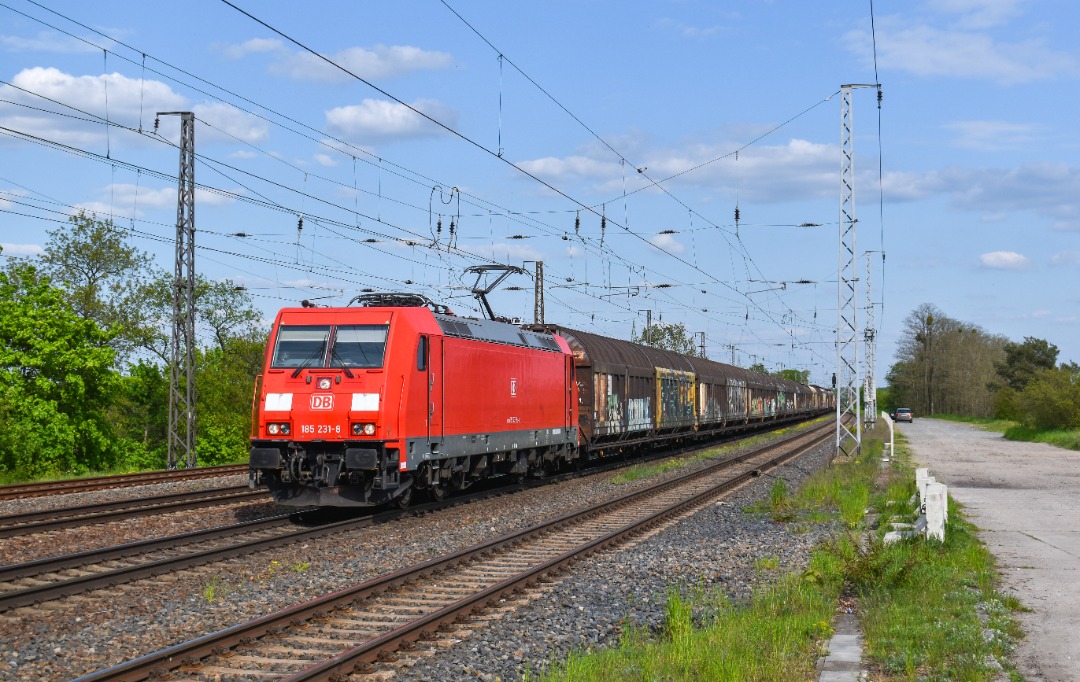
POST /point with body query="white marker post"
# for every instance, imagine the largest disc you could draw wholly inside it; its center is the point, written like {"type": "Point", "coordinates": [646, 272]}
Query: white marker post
{"type": "Point", "coordinates": [937, 509]}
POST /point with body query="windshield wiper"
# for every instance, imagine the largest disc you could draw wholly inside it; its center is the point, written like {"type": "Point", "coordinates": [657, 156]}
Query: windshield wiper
{"type": "Point", "coordinates": [334, 355]}
{"type": "Point", "coordinates": [315, 356]}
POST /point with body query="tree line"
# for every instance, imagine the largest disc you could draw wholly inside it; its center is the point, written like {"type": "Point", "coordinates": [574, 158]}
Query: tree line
{"type": "Point", "coordinates": [675, 337]}
{"type": "Point", "coordinates": [84, 358]}
{"type": "Point", "coordinates": [945, 366]}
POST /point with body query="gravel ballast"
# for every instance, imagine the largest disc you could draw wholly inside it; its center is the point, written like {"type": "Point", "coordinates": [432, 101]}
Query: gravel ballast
{"type": "Point", "coordinates": [715, 547]}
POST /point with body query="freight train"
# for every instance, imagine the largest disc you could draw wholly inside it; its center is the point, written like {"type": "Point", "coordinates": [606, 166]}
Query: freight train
{"type": "Point", "coordinates": [363, 405]}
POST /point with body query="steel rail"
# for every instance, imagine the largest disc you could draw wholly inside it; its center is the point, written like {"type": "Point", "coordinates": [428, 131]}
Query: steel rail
{"type": "Point", "coordinates": [59, 589]}
{"type": "Point", "coordinates": [188, 653]}
{"type": "Point", "coordinates": [75, 485]}
{"type": "Point", "coordinates": [84, 515]}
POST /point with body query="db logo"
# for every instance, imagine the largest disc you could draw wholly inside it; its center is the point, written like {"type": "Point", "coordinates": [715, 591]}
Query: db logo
{"type": "Point", "coordinates": [322, 402]}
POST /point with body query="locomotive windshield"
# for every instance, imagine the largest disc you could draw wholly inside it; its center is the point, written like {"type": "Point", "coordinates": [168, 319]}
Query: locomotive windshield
{"type": "Point", "coordinates": [301, 346]}
{"type": "Point", "coordinates": [359, 345]}
{"type": "Point", "coordinates": [352, 345]}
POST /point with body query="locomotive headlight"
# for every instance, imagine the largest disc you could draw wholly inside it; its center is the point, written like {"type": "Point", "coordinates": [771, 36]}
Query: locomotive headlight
{"type": "Point", "coordinates": [323, 383]}
{"type": "Point", "coordinates": [274, 428]}
{"type": "Point", "coordinates": [363, 429]}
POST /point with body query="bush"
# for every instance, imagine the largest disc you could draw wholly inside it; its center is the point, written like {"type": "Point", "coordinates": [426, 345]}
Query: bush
{"type": "Point", "coordinates": [1052, 399]}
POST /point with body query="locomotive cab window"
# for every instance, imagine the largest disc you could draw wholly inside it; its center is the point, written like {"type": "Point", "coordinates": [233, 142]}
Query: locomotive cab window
{"type": "Point", "coordinates": [421, 354]}
{"type": "Point", "coordinates": [301, 346]}
{"type": "Point", "coordinates": [359, 345]}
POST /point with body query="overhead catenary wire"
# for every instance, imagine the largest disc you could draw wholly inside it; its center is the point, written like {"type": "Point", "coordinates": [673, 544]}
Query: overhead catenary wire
{"type": "Point", "coordinates": [587, 241]}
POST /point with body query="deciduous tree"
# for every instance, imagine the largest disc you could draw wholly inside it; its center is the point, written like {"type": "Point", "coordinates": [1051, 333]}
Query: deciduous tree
{"type": "Point", "coordinates": [673, 337]}
{"type": "Point", "coordinates": [56, 379]}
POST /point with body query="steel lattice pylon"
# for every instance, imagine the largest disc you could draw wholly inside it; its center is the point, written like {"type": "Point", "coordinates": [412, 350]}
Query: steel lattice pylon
{"type": "Point", "coordinates": [870, 339]}
{"type": "Point", "coordinates": [182, 381]}
{"type": "Point", "coordinates": [848, 423]}
{"type": "Point", "coordinates": [538, 294]}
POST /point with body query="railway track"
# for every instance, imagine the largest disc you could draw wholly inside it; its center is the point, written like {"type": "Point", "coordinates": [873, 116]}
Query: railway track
{"type": "Point", "coordinates": [78, 485]}
{"type": "Point", "coordinates": [35, 582]}
{"type": "Point", "coordinates": [352, 629]}
{"type": "Point", "coordinates": [84, 515]}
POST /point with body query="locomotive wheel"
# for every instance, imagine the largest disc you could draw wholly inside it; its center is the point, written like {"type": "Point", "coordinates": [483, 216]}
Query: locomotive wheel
{"type": "Point", "coordinates": [437, 491]}
{"type": "Point", "coordinates": [403, 500]}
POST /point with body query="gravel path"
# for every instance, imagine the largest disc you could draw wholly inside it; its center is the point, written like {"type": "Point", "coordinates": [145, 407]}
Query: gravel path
{"type": "Point", "coordinates": [718, 546]}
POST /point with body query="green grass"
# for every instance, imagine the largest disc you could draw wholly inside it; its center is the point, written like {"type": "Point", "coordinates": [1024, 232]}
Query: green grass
{"type": "Point", "coordinates": [637, 472]}
{"type": "Point", "coordinates": [775, 637]}
{"type": "Point", "coordinates": [920, 601]}
{"type": "Point", "coordinates": [1060, 438]}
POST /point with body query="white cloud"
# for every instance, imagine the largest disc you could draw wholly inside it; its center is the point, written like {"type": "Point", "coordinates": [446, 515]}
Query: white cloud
{"type": "Point", "coordinates": [49, 41]}
{"type": "Point", "coordinates": [253, 46]}
{"type": "Point", "coordinates": [977, 14]}
{"type": "Point", "coordinates": [1004, 260]}
{"type": "Point", "coordinates": [689, 30]}
{"type": "Point", "coordinates": [1066, 258]}
{"type": "Point", "coordinates": [928, 51]}
{"type": "Point", "coordinates": [787, 172]}
{"type": "Point", "coordinates": [667, 243]}
{"type": "Point", "coordinates": [571, 167]}
{"type": "Point", "coordinates": [376, 119]}
{"type": "Point", "coordinates": [11, 249]}
{"type": "Point", "coordinates": [325, 160]}
{"type": "Point", "coordinates": [509, 252]}
{"type": "Point", "coordinates": [125, 200]}
{"type": "Point", "coordinates": [129, 100]}
{"type": "Point", "coordinates": [378, 62]}
{"type": "Point", "coordinates": [232, 122]}
{"type": "Point", "coordinates": [991, 136]}
{"type": "Point", "coordinates": [1050, 189]}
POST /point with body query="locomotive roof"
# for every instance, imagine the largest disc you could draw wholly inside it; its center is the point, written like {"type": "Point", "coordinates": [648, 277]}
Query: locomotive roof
{"type": "Point", "coordinates": [495, 332]}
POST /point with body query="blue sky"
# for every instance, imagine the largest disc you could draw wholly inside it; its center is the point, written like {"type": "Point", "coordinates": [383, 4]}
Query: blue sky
{"type": "Point", "coordinates": [603, 143]}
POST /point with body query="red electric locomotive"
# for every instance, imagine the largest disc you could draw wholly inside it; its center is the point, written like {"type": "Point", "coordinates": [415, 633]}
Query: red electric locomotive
{"type": "Point", "coordinates": [361, 405]}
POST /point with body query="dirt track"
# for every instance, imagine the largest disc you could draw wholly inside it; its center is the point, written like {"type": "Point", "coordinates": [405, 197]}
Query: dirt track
{"type": "Point", "coordinates": [1026, 499]}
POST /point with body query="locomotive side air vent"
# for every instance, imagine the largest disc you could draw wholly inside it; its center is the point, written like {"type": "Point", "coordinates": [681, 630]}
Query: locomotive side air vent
{"type": "Point", "coordinates": [455, 328]}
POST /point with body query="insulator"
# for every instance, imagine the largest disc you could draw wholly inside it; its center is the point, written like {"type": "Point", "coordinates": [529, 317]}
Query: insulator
{"type": "Point", "coordinates": [577, 224]}
{"type": "Point", "coordinates": [438, 227]}
{"type": "Point", "coordinates": [736, 214]}
{"type": "Point", "coordinates": [300, 225]}
{"type": "Point", "coordinates": [451, 227]}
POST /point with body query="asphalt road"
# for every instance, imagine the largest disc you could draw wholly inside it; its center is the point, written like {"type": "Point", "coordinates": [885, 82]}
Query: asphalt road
{"type": "Point", "coordinates": [1025, 498]}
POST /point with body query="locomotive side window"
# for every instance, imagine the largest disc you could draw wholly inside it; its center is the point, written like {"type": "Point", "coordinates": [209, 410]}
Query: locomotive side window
{"type": "Point", "coordinates": [421, 354]}
{"type": "Point", "coordinates": [359, 345]}
{"type": "Point", "coordinates": [301, 346]}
